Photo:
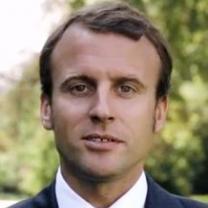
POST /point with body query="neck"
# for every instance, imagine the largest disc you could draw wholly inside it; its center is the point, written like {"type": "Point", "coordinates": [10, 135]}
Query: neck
{"type": "Point", "coordinates": [96, 192]}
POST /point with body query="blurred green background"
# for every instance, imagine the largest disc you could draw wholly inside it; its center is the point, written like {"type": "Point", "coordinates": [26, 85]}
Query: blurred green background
{"type": "Point", "coordinates": [28, 160]}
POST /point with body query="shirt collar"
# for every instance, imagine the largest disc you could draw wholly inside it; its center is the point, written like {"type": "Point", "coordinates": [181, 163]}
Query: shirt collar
{"type": "Point", "coordinates": [135, 197]}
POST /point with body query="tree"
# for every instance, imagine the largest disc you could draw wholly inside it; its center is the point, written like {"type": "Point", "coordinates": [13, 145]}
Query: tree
{"type": "Point", "coordinates": [180, 158]}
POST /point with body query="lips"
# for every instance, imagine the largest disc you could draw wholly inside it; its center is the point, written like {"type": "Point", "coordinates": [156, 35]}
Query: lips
{"type": "Point", "coordinates": [97, 142]}
{"type": "Point", "coordinates": [101, 138]}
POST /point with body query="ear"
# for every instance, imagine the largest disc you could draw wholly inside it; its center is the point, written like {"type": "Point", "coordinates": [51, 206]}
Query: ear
{"type": "Point", "coordinates": [46, 112]}
{"type": "Point", "coordinates": [161, 109]}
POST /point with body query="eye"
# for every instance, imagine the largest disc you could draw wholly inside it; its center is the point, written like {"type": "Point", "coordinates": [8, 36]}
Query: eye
{"type": "Point", "coordinates": [81, 89]}
{"type": "Point", "coordinates": [126, 90]}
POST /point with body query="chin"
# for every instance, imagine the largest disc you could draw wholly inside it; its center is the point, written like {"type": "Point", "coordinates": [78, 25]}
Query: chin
{"type": "Point", "coordinates": [98, 177]}
{"type": "Point", "coordinates": [92, 174]}
{"type": "Point", "coordinates": [91, 170]}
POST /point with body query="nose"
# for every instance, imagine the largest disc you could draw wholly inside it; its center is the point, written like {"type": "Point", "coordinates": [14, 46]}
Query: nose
{"type": "Point", "coordinates": [101, 111]}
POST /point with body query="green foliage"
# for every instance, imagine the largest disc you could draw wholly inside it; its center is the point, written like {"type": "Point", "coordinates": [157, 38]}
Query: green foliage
{"type": "Point", "coordinates": [28, 155]}
{"type": "Point", "coordinates": [180, 159]}
{"type": "Point", "coordinates": [181, 156]}
{"type": "Point", "coordinates": [202, 198]}
{"type": "Point", "coordinates": [76, 4]}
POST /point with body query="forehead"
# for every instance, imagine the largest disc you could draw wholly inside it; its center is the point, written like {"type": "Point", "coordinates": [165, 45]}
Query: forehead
{"type": "Point", "coordinates": [81, 46]}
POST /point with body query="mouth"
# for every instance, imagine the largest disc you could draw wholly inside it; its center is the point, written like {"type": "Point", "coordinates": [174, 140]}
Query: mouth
{"type": "Point", "coordinates": [101, 138]}
{"type": "Point", "coordinates": [101, 142]}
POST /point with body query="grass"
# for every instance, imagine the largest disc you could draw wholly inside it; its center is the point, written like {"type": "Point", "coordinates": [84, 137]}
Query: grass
{"type": "Point", "coordinates": [202, 198]}
{"type": "Point", "coordinates": [6, 196]}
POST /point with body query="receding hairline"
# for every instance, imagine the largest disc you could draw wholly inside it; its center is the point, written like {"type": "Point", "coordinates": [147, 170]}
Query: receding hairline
{"type": "Point", "coordinates": [73, 31]}
{"type": "Point", "coordinates": [110, 17]}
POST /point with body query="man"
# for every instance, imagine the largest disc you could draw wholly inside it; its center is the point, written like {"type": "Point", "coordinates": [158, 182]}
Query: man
{"type": "Point", "coordinates": [105, 77]}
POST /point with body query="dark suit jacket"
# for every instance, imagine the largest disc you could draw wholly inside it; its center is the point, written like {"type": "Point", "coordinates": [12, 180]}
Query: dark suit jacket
{"type": "Point", "coordinates": [157, 197]}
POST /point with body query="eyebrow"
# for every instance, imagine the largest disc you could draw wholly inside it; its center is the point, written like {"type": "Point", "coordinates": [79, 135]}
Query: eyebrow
{"type": "Point", "coordinates": [120, 80]}
{"type": "Point", "coordinates": [83, 78]}
{"type": "Point", "coordinates": [92, 81]}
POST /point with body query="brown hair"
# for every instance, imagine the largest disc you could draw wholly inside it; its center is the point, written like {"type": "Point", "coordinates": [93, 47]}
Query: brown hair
{"type": "Point", "coordinates": [108, 17]}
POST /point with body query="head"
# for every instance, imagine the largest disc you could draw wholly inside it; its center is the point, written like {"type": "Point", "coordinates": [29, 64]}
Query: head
{"type": "Point", "coordinates": [105, 78]}
{"type": "Point", "coordinates": [115, 18]}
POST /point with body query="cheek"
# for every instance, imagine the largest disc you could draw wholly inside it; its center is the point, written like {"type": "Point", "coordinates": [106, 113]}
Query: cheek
{"type": "Point", "coordinates": [68, 119]}
{"type": "Point", "coordinates": [68, 114]}
{"type": "Point", "coordinates": [138, 120]}
{"type": "Point", "coordinates": [141, 125]}
{"type": "Point", "coordinates": [138, 111]}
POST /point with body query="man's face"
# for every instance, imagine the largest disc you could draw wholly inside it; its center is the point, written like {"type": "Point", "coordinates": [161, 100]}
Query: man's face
{"type": "Point", "coordinates": [103, 110]}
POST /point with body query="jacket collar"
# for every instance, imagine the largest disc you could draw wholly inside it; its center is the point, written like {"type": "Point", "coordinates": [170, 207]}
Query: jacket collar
{"type": "Point", "coordinates": [157, 197]}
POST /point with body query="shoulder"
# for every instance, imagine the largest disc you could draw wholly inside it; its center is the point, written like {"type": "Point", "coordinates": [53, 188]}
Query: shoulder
{"type": "Point", "coordinates": [157, 197]}
{"type": "Point", "coordinates": [46, 198]}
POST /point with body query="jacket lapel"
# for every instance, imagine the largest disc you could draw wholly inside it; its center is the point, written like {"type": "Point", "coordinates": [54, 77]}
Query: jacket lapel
{"type": "Point", "coordinates": [46, 198]}
{"type": "Point", "coordinates": [157, 197]}
{"type": "Point", "coordinates": [54, 203]}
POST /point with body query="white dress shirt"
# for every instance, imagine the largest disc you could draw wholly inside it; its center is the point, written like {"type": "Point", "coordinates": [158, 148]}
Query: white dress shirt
{"type": "Point", "coordinates": [134, 198]}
